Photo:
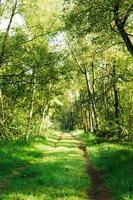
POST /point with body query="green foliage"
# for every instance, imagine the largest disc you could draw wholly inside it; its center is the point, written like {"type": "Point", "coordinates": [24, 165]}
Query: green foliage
{"type": "Point", "coordinates": [97, 18]}
{"type": "Point", "coordinates": [42, 61]}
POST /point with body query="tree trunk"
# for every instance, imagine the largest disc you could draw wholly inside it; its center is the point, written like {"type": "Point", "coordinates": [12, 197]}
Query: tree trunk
{"type": "Point", "coordinates": [116, 99]}
{"type": "Point", "coordinates": [45, 112]}
{"type": "Point", "coordinates": [120, 24]}
{"type": "Point", "coordinates": [3, 49]}
{"type": "Point", "coordinates": [31, 106]}
{"type": "Point", "coordinates": [126, 40]}
{"type": "Point", "coordinates": [90, 98]}
{"type": "Point", "coordinates": [86, 119]}
{"type": "Point", "coordinates": [2, 108]}
{"type": "Point", "coordinates": [2, 117]}
{"type": "Point", "coordinates": [106, 109]}
{"type": "Point", "coordinates": [116, 103]}
{"type": "Point", "coordinates": [84, 112]}
{"type": "Point", "coordinates": [130, 118]}
{"type": "Point", "coordinates": [91, 121]}
{"type": "Point", "coordinates": [93, 94]}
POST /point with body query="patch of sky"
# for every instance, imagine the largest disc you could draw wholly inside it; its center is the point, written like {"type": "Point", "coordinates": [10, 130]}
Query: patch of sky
{"type": "Point", "coordinates": [58, 42]}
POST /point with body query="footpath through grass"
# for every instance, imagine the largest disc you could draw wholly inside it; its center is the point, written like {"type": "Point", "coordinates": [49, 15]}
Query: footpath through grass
{"type": "Point", "coordinates": [54, 168]}
{"type": "Point", "coordinates": [44, 169]}
{"type": "Point", "coordinates": [115, 162]}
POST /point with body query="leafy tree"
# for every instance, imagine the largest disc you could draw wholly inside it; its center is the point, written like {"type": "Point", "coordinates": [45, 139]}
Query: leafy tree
{"type": "Point", "coordinates": [108, 21]}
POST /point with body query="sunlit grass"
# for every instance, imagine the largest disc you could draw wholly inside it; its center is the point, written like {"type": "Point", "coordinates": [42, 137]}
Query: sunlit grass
{"type": "Point", "coordinates": [50, 172]}
{"type": "Point", "coordinates": [115, 162]}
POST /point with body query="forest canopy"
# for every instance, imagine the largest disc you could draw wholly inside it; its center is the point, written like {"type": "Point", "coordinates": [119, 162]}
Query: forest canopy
{"type": "Point", "coordinates": [68, 65]}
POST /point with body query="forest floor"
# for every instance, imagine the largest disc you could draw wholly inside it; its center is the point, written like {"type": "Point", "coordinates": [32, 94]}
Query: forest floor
{"type": "Point", "coordinates": [62, 167]}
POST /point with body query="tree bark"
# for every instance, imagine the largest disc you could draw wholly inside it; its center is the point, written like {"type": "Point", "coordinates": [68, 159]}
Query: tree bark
{"type": "Point", "coordinates": [130, 118]}
{"type": "Point", "coordinates": [31, 106]}
{"type": "Point", "coordinates": [2, 116]}
{"type": "Point", "coordinates": [120, 24]}
{"type": "Point", "coordinates": [116, 98]}
{"type": "Point", "coordinates": [44, 114]}
{"type": "Point", "coordinates": [2, 53]}
{"type": "Point", "coordinates": [91, 121]}
{"type": "Point", "coordinates": [84, 113]}
{"type": "Point", "coordinates": [93, 106]}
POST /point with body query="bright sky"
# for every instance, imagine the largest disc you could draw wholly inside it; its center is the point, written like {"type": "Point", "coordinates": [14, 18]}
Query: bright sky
{"type": "Point", "coordinates": [58, 42]}
{"type": "Point", "coordinates": [17, 21]}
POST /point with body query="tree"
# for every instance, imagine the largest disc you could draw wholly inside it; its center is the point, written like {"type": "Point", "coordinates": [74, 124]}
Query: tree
{"type": "Point", "coordinates": [106, 20]}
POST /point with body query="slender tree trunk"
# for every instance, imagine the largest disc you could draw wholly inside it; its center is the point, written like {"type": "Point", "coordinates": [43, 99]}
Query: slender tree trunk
{"type": "Point", "coordinates": [86, 119]}
{"type": "Point", "coordinates": [84, 113]}
{"type": "Point", "coordinates": [116, 99]}
{"type": "Point", "coordinates": [105, 98]}
{"type": "Point", "coordinates": [106, 110]}
{"type": "Point", "coordinates": [3, 49]}
{"type": "Point", "coordinates": [90, 98]}
{"type": "Point", "coordinates": [93, 95]}
{"type": "Point", "coordinates": [130, 118]}
{"type": "Point", "coordinates": [72, 115]}
{"type": "Point", "coordinates": [31, 106]}
{"type": "Point", "coordinates": [83, 121]}
{"type": "Point", "coordinates": [2, 108]}
{"type": "Point", "coordinates": [91, 122]}
{"type": "Point", "coordinates": [2, 116]}
{"type": "Point", "coordinates": [116, 102]}
{"type": "Point", "coordinates": [93, 83]}
{"type": "Point", "coordinates": [45, 112]}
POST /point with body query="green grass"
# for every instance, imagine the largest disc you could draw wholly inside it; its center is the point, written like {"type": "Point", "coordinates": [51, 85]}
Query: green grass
{"type": "Point", "coordinates": [115, 162]}
{"type": "Point", "coordinates": [40, 171]}
{"type": "Point", "coordinates": [46, 170]}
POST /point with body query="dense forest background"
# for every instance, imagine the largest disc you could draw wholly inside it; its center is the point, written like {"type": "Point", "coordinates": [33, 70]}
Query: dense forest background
{"type": "Point", "coordinates": [68, 65]}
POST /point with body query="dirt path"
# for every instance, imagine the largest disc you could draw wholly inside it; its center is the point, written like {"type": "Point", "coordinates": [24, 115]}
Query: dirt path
{"type": "Point", "coordinates": [60, 174]}
{"type": "Point", "coordinates": [59, 139]}
{"type": "Point", "coordinates": [98, 189]}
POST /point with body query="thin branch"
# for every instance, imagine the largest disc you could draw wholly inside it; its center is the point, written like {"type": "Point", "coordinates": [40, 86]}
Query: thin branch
{"type": "Point", "coordinates": [123, 21]}
{"type": "Point", "coordinates": [75, 58]}
{"type": "Point", "coordinates": [40, 35]}
{"type": "Point", "coordinates": [102, 50]}
{"type": "Point", "coordinates": [7, 32]}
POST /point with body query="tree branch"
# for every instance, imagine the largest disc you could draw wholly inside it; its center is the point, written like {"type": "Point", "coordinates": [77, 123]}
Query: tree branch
{"type": "Point", "coordinates": [7, 32]}
{"type": "Point", "coordinates": [123, 21]}
{"type": "Point", "coordinates": [75, 58]}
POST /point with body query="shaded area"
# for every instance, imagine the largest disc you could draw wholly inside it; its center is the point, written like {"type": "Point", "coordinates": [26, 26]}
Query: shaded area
{"type": "Point", "coordinates": [15, 156]}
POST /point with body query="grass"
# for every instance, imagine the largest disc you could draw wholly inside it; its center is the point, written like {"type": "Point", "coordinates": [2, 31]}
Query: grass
{"type": "Point", "coordinates": [115, 162]}
{"type": "Point", "coordinates": [41, 170]}
{"type": "Point", "coordinates": [47, 168]}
